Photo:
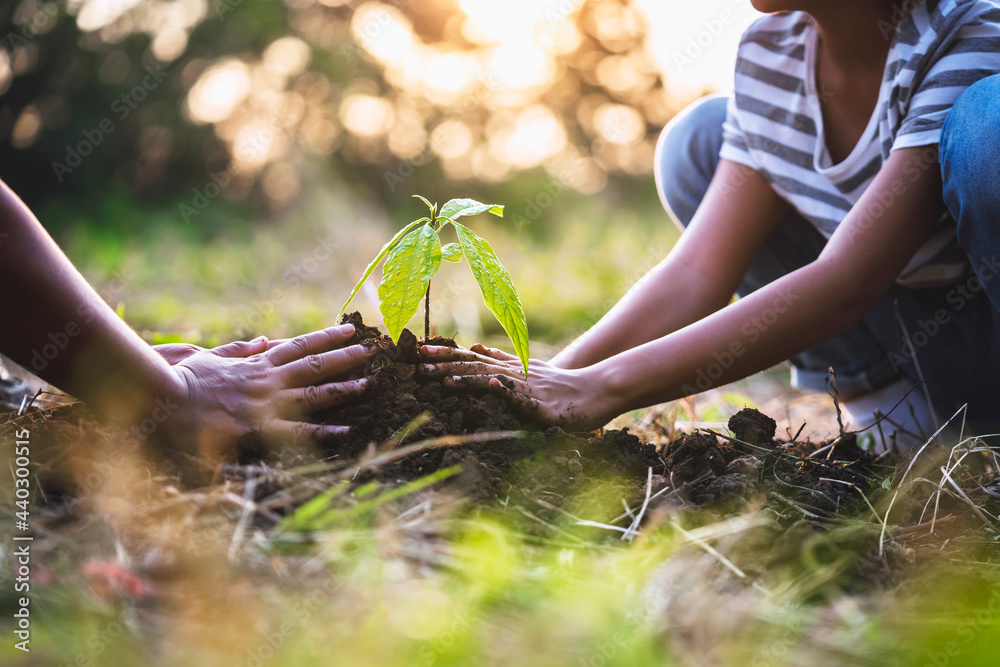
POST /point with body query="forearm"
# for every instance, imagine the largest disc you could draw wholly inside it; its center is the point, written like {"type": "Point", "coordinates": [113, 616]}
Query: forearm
{"type": "Point", "coordinates": [751, 335]}
{"type": "Point", "coordinates": [699, 276]}
{"type": "Point", "coordinates": [859, 263]}
{"type": "Point", "coordinates": [59, 328]}
{"type": "Point", "coordinates": [669, 297]}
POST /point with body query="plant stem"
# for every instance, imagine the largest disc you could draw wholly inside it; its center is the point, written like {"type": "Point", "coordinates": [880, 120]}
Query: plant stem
{"type": "Point", "coordinates": [427, 312]}
{"type": "Point", "coordinates": [427, 297]}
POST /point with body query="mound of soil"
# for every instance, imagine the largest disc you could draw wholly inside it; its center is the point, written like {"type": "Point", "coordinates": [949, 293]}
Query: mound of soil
{"type": "Point", "coordinates": [397, 395]}
{"type": "Point", "coordinates": [699, 469]}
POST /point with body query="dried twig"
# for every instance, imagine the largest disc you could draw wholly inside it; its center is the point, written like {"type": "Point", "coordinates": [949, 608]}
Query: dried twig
{"type": "Point", "coordinates": [248, 511]}
{"type": "Point", "coordinates": [832, 390]}
{"type": "Point", "coordinates": [728, 564]}
{"type": "Point", "coordinates": [633, 530]}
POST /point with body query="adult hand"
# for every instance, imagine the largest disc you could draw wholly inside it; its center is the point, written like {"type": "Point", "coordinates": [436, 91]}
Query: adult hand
{"type": "Point", "coordinates": [175, 353]}
{"type": "Point", "coordinates": [261, 387]}
{"type": "Point", "coordinates": [569, 398]}
{"type": "Point", "coordinates": [209, 396]}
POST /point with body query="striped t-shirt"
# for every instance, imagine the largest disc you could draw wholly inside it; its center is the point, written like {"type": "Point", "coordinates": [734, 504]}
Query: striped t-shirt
{"type": "Point", "coordinates": [775, 123]}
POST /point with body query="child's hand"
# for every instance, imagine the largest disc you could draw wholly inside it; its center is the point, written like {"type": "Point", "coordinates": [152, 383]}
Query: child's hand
{"type": "Point", "coordinates": [555, 396]}
{"type": "Point", "coordinates": [242, 387]}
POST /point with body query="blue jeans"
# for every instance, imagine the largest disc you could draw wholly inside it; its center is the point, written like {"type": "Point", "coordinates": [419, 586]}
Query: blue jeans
{"type": "Point", "coordinates": [953, 331]}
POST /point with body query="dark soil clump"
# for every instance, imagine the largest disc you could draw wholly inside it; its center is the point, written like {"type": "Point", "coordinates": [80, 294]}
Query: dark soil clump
{"type": "Point", "coordinates": [710, 470]}
{"type": "Point", "coordinates": [398, 396]}
{"type": "Point", "coordinates": [700, 469]}
{"type": "Point", "coordinates": [752, 427]}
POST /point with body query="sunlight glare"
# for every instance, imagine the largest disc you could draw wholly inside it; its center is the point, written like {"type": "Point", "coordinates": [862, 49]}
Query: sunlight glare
{"type": "Point", "coordinates": [537, 135]}
{"type": "Point", "coordinates": [383, 31]}
{"type": "Point", "coordinates": [448, 73]}
{"type": "Point", "coordinates": [367, 115]}
{"type": "Point", "coordinates": [499, 22]}
{"type": "Point", "coordinates": [519, 66]}
{"type": "Point", "coordinates": [287, 56]}
{"type": "Point", "coordinates": [695, 44]}
{"type": "Point", "coordinates": [219, 90]}
{"type": "Point", "coordinates": [169, 44]}
{"type": "Point", "coordinates": [451, 139]}
{"type": "Point", "coordinates": [619, 124]}
{"type": "Point", "coordinates": [27, 127]}
{"type": "Point", "coordinates": [257, 143]}
{"type": "Point", "coordinates": [95, 14]}
{"type": "Point", "coordinates": [6, 74]}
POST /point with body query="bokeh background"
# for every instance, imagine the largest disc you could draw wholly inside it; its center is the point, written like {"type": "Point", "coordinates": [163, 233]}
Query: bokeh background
{"type": "Point", "coordinates": [225, 168]}
{"type": "Point", "coordinates": [220, 169]}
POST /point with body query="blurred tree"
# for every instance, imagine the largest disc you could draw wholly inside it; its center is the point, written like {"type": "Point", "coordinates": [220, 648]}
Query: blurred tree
{"type": "Point", "coordinates": [183, 101]}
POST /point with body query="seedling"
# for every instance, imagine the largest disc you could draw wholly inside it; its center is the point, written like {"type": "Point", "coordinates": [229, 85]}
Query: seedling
{"type": "Point", "coordinates": [414, 255]}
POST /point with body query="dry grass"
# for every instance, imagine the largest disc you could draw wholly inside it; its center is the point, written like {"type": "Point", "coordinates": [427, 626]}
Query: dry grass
{"type": "Point", "coordinates": [306, 565]}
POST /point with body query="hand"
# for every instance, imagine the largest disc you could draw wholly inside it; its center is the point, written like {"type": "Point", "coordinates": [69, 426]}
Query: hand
{"type": "Point", "coordinates": [258, 386]}
{"type": "Point", "coordinates": [174, 353]}
{"type": "Point", "coordinates": [569, 398]}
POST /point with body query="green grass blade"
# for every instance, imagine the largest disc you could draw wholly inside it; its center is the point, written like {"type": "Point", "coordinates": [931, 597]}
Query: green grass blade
{"type": "Point", "coordinates": [498, 290]}
{"type": "Point", "coordinates": [456, 208]}
{"type": "Point", "coordinates": [408, 269]}
{"type": "Point", "coordinates": [309, 511]}
{"type": "Point", "coordinates": [378, 259]}
{"type": "Point", "coordinates": [342, 513]}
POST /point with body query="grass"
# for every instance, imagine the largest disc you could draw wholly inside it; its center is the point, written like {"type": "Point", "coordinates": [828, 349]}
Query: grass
{"type": "Point", "coordinates": [303, 567]}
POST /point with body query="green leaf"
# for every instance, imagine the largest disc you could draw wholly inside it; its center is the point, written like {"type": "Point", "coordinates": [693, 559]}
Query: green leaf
{"type": "Point", "coordinates": [378, 258]}
{"type": "Point", "coordinates": [456, 208]}
{"type": "Point", "coordinates": [451, 252]}
{"type": "Point", "coordinates": [498, 290]}
{"type": "Point", "coordinates": [407, 270]}
{"type": "Point", "coordinates": [886, 483]}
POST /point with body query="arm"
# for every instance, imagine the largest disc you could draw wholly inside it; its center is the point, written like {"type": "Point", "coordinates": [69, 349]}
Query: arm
{"type": "Point", "coordinates": [54, 315]}
{"type": "Point", "coordinates": [866, 254]}
{"type": "Point", "coordinates": [698, 277]}
{"type": "Point", "coordinates": [859, 263]}
{"type": "Point", "coordinates": [57, 326]}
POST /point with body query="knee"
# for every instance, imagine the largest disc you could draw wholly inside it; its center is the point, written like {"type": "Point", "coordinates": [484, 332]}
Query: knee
{"type": "Point", "coordinates": [970, 151]}
{"type": "Point", "coordinates": [687, 154]}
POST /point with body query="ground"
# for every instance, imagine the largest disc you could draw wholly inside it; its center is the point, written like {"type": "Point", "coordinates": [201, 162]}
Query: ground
{"type": "Point", "coordinates": [445, 531]}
